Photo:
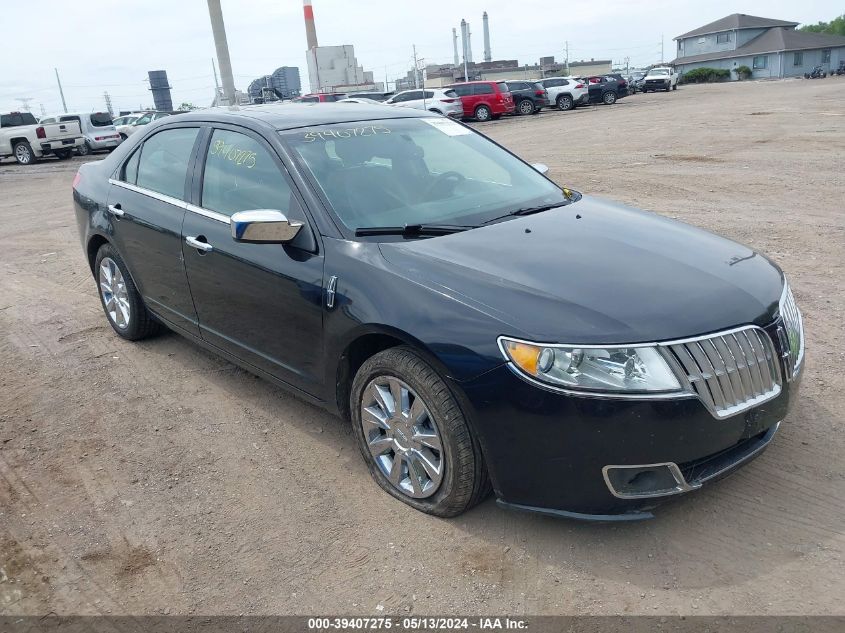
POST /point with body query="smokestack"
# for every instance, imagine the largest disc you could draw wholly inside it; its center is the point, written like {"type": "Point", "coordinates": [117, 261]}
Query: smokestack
{"type": "Point", "coordinates": [310, 29]}
{"type": "Point", "coordinates": [488, 56]}
{"type": "Point", "coordinates": [455, 43]}
{"type": "Point", "coordinates": [469, 44]}
{"type": "Point", "coordinates": [464, 40]}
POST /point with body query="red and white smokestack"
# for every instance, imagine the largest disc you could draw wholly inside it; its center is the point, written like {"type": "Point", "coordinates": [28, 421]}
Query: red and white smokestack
{"type": "Point", "coordinates": [310, 29]}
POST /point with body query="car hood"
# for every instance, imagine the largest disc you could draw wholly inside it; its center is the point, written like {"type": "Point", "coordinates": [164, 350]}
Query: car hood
{"type": "Point", "coordinates": [596, 272]}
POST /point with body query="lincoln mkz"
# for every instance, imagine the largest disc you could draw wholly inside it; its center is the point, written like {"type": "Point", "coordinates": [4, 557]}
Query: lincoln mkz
{"type": "Point", "coordinates": [479, 325]}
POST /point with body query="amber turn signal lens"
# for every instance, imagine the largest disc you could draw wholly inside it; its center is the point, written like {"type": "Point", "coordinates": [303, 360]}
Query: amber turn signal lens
{"type": "Point", "coordinates": [524, 355]}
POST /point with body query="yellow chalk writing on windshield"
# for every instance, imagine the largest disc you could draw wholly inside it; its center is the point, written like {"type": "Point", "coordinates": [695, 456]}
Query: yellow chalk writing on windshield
{"type": "Point", "coordinates": [237, 156]}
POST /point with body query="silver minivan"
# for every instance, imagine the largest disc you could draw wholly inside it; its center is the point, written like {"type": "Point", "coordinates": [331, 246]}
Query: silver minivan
{"type": "Point", "coordinates": [97, 128]}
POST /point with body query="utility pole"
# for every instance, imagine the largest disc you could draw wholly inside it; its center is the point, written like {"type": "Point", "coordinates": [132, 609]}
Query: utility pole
{"type": "Point", "coordinates": [216, 82]}
{"type": "Point", "coordinates": [222, 46]}
{"type": "Point", "coordinates": [43, 111]}
{"type": "Point", "coordinates": [662, 58]}
{"type": "Point", "coordinates": [108, 102]}
{"type": "Point", "coordinates": [416, 69]}
{"type": "Point", "coordinates": [61, 92]}
{"type": "Point", "coordinates": [627, 65]}
{"type": "Point", "coordinates": [567, 58]}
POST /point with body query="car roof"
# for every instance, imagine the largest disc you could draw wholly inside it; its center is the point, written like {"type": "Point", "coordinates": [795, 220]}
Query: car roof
{"type": "Point", "coordinates": [288, 116]}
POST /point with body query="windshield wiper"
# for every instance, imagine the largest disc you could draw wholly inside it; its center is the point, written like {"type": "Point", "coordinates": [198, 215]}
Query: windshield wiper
{"type": "Point", "coordinates": [529, 210]}
{"type": "Point", "coordinates": [412, 230]}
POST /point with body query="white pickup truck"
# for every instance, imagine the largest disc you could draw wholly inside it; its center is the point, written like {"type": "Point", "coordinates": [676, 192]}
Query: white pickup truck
{"type": "Point", "coordinates": [22, 137]}
{"type": "Point", "coordinates": [661, 78]}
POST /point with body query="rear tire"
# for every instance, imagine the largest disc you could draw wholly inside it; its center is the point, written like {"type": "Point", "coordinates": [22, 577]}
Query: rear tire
{"type": "Point", "coordinates": [24, 154]}
{"type": "Point", "coordinates": [462, 475]}
{"type": "Point", "coordinates": [122, 303]}
{"type": "Point", "coordinates": [526, 106]}
{"type": "Point", "coordinates": [565, 102]}
{"type": "Point", "coordinates": [84, 149]}
{"type": "Point", "coordinates": [609, 98]}
{"type": "Point", "coordinates": [675, 87]}
{"type": "Point", "coordinates": [483, 113]}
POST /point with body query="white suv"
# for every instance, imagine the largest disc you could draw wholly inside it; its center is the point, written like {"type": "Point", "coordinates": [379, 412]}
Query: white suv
{"type": "Point", "coordinates": [439, 101]}
{"type": "Point", "coordinates": [566, 92]}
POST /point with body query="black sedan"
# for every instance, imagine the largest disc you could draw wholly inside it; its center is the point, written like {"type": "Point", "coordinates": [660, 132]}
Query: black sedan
{"type": "Point", "coordinates": [478, 324]}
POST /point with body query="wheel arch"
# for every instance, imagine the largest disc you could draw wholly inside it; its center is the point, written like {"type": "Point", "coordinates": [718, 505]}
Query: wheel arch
{"type": "Point", "coordinates": [95, 242]}
{"type": "Point", "coordinates": [366, 342]}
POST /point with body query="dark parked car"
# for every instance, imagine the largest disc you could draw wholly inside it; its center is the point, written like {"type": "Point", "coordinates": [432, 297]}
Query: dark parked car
{"type": "Point", "coordinates": [604, 89]}
{"type": "Point", "coordinates": [478, 324]}
{"type": "Point", "coordinates": [484, 100]}
{"type": "Point", "coordinates": [622, 90]}
{"type": "Point", "coordinates": [636, 81]}
{"type": "Point", "coordinates": [528, 97]}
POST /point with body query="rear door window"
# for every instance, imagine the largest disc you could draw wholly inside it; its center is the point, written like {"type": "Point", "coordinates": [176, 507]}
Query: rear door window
{"type": "Point", "coordinates": [463, 91]}
{"type": "Point", "coordinates": [241, 175]}
{"type": "Point", "coordinates": [482, 89]}
{"type": "Point", "coordinates": [164, 159]}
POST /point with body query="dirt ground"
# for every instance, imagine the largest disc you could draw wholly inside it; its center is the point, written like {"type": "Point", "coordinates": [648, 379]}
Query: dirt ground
{"type": "Point", "coordinates": [155, 478]}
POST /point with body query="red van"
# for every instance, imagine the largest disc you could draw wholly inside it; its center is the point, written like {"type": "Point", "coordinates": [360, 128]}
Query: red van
{"type": "Point", "coordinates": [484, 100]}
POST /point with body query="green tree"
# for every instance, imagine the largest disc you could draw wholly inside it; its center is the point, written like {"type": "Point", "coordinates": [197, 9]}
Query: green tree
{"type": "Point", "coordinates": [187, 105]}
{"type": "Point", "coordinates": [834, 27]}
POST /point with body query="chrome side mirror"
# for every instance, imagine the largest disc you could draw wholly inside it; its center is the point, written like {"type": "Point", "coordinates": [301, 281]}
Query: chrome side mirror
{"type": "Point", "coordinates": [543, 169]}
{"type": "Point", "coordinates": [263, 226]}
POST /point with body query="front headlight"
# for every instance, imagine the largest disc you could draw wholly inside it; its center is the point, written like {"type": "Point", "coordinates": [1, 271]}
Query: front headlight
{"type": "Point", "coordinates": [606, 369]}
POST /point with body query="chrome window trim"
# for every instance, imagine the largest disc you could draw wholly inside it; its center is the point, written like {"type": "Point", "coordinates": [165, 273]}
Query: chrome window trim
{"type": "Point", "coordinates": [664, 347]}
{"type": "Point", "coordinates": [212, 215]}
{"type": "Point", "coordinates": [149, 193]}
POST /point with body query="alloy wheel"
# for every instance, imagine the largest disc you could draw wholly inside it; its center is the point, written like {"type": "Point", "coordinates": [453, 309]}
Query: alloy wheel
{"type": "Point", "coordinates": [23, 154]}
{"type": "Point", "coordinates": [114, 293]}
{"type": "Point", "coordinates": [483, 113]}
{"type": "Point", "coordinates": [402, 437]}
{"type": "Point", "coordinates": [526, 107]}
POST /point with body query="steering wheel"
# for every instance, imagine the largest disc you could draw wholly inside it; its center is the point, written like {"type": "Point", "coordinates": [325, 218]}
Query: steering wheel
{"type": "Point", "coordinates": [446, 176]}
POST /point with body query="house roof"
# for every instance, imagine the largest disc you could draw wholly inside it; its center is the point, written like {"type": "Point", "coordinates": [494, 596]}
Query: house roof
{"type": "Point", "coordinates": [772, 41]}
{"type": "Point", "coordinates": [734, 22]}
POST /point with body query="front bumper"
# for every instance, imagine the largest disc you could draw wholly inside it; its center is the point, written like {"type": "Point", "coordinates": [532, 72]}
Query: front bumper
{"type": "Point", "coordinates": [547, 451]}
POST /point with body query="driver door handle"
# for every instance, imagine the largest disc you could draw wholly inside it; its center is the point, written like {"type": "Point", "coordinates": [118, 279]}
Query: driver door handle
{"type": "Point", "coordinates": [205, 247]}
{"type": "Point", "coordinates": [115, 210]}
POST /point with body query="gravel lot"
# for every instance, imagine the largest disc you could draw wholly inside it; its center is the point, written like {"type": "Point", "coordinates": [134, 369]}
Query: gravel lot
{"type": "Point", "coordinates": [156, 478]}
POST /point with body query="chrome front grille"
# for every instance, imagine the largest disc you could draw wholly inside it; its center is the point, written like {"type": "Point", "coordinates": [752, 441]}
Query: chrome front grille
{"type": "Point", "coordinates": [791, 333]}
{"type": "Point", "coordinates": [730, 371]}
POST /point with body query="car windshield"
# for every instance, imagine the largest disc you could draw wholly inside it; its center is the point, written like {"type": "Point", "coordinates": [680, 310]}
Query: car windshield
{"type": "Point", "coordinates": [398, 172]}
{"type": "Point", "coordinates": [660, 71]}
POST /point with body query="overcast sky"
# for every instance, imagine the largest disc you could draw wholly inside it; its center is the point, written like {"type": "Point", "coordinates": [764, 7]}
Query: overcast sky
{"type": "Point", "coordinates": [109, 45]}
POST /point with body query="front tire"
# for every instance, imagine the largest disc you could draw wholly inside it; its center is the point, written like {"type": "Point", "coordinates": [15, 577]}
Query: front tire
{"type": "Point", "coordinates": [483, 113]}
{"type": "Point", "coordinates": [675, 87]}
{"type": "Point", "coordinates": [24, 154]}
{"type": "Point", "coordinates": [413, 435]}
{"type": "Point", "coordinates": [121, 301]}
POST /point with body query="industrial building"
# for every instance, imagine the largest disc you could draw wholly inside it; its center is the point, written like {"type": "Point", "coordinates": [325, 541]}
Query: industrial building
{"type": "Point", "coordinates": [770, 48]}
{"type": "Point", "coordinates": [333, 68]}
{"type": "Point", "coordinates": [464, 68]}
{"type": "Point", "coordinates": [283, 83]}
